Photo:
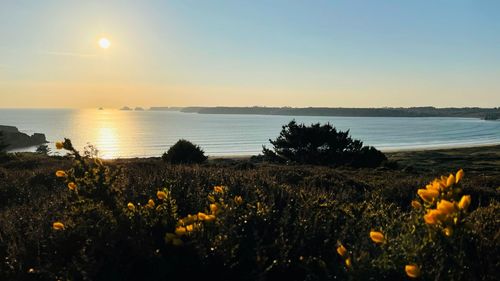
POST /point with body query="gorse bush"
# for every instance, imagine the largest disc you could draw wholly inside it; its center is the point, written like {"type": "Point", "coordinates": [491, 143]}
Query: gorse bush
{"type": "Point", "coordinates": [148, 220]}
{"type": "Point", "coordinates": [321, 144]}
{"type": "Point", "coordinates": [184, 152]}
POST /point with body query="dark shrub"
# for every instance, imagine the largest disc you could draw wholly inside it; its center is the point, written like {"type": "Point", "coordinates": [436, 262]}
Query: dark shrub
{"type": "Point", "coordinates": [323, 145]}
{"type": "Point", "coordinates": [3, 145]}
{"type": "Point", "coordinates": [184, 152]}
{"type": "Point", "coordinates": [368, 156]}
{"type": "Point", "coordinates": [43, 149]}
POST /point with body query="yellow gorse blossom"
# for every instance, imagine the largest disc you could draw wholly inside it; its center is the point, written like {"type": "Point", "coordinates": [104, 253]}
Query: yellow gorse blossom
{"type": "Point", "coordinates": [377, 237]}
{"type": "Point", "coordinates": [180, 231]}
{"type": "Point", "coordinates": [341, 250]}
{"type": "Point", "coordinates": [219, 189]}
{"type": "Point", "coordinates": [348, 262]}
{"type": "Point", "coordinates": [60, 174]}
{"type": "Point", "coordinates": [459, 176]}
{"type": "Point", "coordinates": [59, 145]}
{"type": "Point", "coordinates": [72, 186]}
{"type": "Point", "coordinates": [58, 225]}
{"type": "Point", "coordinates": [151, 203]}
{"type": "Point", "coordinates": [428, 195]}
{"type": "Point", "coordinates": [450, 181]}
{"type": "Point", "coordinates": [412, 270]}
{"type": "Point", "coordinates": [238, 200]}
{"type": "Point", "coordinates": [433, 217]}
{"type": "Point", "coordinates": [210, 218]}
{"type": "Point", "coordinates": [416, 205]}
{"type": "Point", "coordinates": [202, 216]}
{"type": "Point", "coordinates": [446, 207]}
{"type": "Point", "coordinates": [464, 202]}
{"type": "Point", "coordinates": [448, 231]}
{"type": "Point", "coordinates": [161, 195]}
{"type": "Point", "coordinates": [131, 206]}
{"type": "Point", "coordinates": [190, 228]}
{"type": "Point", "coordinates": [213, 208]}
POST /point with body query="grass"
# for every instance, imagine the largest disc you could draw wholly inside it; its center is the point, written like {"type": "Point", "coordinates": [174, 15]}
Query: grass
{"type": "Point", "coordinates": [288, 225]}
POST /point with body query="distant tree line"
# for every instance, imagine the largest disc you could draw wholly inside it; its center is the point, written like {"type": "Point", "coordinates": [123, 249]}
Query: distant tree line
{"type": "Point", "coordinates": [429, 111]}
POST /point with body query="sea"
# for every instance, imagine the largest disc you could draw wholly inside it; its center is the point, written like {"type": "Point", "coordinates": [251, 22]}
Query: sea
{"type": "Point", "coordinates": [129, 134]}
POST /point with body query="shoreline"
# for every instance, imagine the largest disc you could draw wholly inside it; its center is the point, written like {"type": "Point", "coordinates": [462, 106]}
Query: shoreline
{"type": "Point", "coordinates": [388, 152]}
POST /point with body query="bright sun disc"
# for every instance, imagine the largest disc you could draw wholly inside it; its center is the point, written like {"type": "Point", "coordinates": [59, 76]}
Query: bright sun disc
{"type": "Point", "coordinates": [104, 43]}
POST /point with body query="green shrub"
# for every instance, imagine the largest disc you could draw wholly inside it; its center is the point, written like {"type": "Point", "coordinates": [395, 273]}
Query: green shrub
{"type": "Point", "coordinates": [184, 152]}
{"type": "Point", "coordinates": [322, 145]}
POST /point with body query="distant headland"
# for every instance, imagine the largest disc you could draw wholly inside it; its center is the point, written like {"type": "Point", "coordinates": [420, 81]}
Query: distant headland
{"type": "Point", "coordinates": [470, 112]}
{"type": "Point", "coordinates": [11, 136]}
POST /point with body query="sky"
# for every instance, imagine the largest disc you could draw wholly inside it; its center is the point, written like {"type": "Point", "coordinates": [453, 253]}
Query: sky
{"type": "Point", "coordinates": [245, 53]}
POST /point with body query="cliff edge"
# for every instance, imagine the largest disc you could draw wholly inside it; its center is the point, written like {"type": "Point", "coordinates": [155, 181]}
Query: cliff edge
{"type": "Point", "coordinates": [11, 136]}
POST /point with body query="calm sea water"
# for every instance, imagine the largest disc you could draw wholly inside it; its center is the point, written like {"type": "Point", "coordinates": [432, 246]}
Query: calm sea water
{"type": "Point", "coordinates": [150, 133]}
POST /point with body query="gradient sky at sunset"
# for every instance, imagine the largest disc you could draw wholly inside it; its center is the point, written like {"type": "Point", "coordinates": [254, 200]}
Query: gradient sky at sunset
{"type": "Point", "coordinates": [245, 53]}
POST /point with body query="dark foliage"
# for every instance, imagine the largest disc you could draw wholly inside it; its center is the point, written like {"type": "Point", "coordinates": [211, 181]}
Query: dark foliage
{"type": "Point", "coordinates": [321, 145]}
{"type": "Point", "coordinates": [184, 152]}
{"type": "Point", "coordinates": [43, 149]}
{"type": "Point", "coordinates": [3, 145]}
{"type": "Point", "coordinates": [287, 226]}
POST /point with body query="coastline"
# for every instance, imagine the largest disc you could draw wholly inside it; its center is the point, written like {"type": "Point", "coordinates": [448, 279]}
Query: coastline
{"type": "Point", "coordinates": [455, 148]}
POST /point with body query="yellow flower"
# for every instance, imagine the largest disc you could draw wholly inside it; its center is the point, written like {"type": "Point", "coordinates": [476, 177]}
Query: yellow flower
{"type": "Point", "coordinates": [131, 206]}
{"type": "Point", "coordinates": [446, 207]}
{"type": "Point", "coordinates": [180, 230]}
{"type": "Point", "coordinates": [190, 228]}
{"type": "Point", "coordinates": [436, 185]}
{"type": "Point", "coordinates": [341, 250]}
{"type": "Point", "coordinates": [238, 200]}
{"type": "Point", "coordinates": [428, 195]}
{"type": "Point", "coordinates": [177, 242]}
{"type": "Point", "coordinates": [151, 203]}
{"type": "Point", "coordinates": [191, 218]}
{"type": "Point", "coordinates": [459, 176]}
{"type": "Point", "coordinates": [415, 204]}
{"type": "Point", "coordinates": [450, 181]}
{"type": "Point", "coordinates": [59, 145]}
{"type": "Point", "coordinates": [213, 208]}
{"type": "Point", "coordinates": [464, 202]}
{"type": "Point", "coordinates": [377, 237]}
{"type": "Point", "coordinates": [58, 225]}
{"type": "Point", "coordinates": [348, 262]}
{"type": "Point", "coordinates": [210, 218]}
{"type": "Point", "coordinates": [219, 189]}
{"type": "Point", "coordinates": [72, 186]}
{"type": "Point", "coordinates": [202, 216]}
{"type": "Point", "coordinates": [60, 174]}
{"type": "Point", "coordinates": [433, 217]}
{"type": "Point", "coordinates": [412, 270]}
{"type": "Point", "coordinates": [448, 231]}
{"type": "Point", "coordinates": [161, 195]}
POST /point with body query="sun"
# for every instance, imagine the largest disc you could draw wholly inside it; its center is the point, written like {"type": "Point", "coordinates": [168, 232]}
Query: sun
{"type": "Point", "coordinates": [104, 43]}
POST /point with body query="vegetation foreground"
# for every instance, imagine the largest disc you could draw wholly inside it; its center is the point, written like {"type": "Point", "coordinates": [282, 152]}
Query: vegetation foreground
{"type": "Point", "coordinates": [79, 218]}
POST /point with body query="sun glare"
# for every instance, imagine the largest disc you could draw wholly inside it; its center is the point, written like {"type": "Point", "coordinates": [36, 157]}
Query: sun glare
{"type": "Point", "coordinates": [104, 43]}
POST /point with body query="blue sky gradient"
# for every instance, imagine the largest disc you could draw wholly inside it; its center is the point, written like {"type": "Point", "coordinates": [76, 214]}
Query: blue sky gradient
{"type": "Point", "coordinates": [244, 53]}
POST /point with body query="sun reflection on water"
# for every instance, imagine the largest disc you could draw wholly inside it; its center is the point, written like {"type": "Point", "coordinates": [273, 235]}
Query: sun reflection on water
{"type": "Point", "coordinates": [105, 130]}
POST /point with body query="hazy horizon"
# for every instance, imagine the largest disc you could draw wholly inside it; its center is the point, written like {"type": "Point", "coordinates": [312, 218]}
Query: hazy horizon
{"type": "Point", "coordinates": [227, 53]}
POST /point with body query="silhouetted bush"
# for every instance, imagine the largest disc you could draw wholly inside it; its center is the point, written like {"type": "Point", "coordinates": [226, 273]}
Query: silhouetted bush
{"type": "Point", "coordinates": [184, 152]}
{"type": "Point", "coordinates": [43, 149]}
{"type": "Point", "coordinates": [322, 145]}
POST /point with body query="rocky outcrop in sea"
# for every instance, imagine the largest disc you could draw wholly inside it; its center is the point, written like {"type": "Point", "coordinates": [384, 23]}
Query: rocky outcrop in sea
{"type": "Point", "coordinates": [11, 136]}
